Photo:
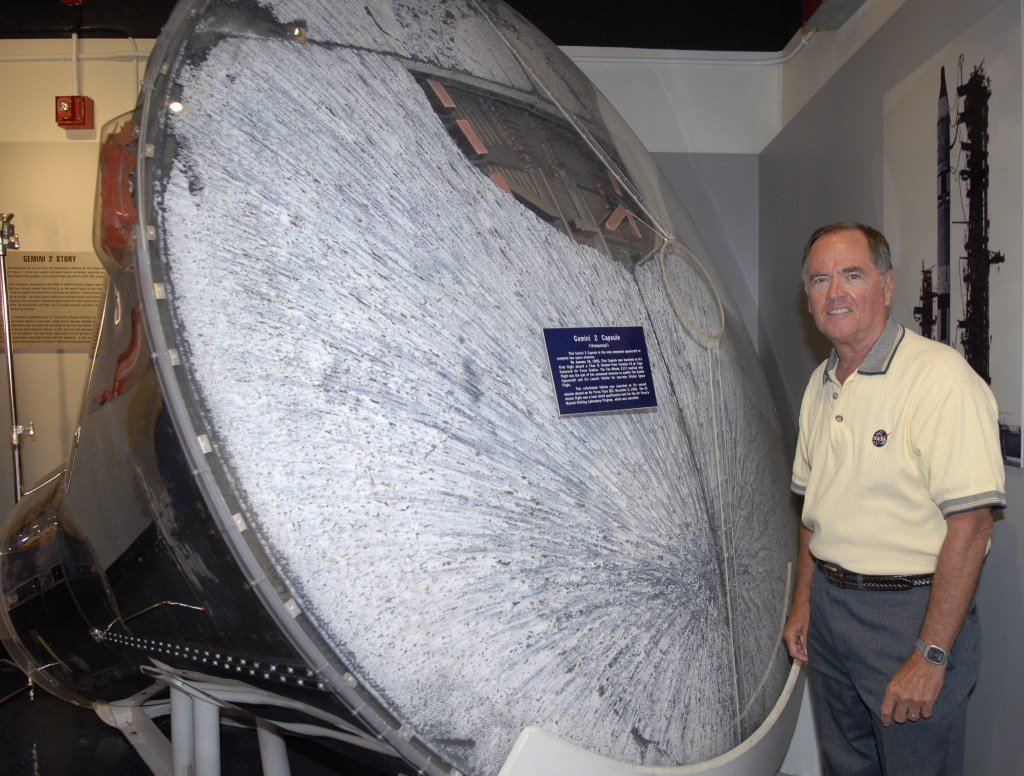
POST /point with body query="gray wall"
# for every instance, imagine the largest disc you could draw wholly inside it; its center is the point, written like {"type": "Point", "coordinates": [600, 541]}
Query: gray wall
{"type": "Point", "coordinates": [720, 191]}
{"type": "Point", "coordinates": [824, 166]}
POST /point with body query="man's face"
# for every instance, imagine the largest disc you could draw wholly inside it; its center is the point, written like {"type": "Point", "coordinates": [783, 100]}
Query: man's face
{"type": "Point", "coordinates": [847, 297]}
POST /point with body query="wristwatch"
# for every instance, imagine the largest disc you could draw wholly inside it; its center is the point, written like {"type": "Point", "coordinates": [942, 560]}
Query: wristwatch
{"type": "Point", "coordinates": [932, 653]}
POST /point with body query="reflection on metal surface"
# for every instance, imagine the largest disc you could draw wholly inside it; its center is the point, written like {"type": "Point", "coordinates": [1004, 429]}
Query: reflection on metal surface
{"type": "Point", "coordinates": [148, 609]}
{"type": "Point", "coordinates": [359, 225]}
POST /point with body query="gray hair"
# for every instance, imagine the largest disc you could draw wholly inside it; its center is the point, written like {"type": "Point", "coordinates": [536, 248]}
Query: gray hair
{"type": "Point", "coordinates": [881, 256]}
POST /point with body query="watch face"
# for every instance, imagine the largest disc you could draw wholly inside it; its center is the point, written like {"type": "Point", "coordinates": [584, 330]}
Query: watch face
{"type": "Point", "coordinates": [935, 655]}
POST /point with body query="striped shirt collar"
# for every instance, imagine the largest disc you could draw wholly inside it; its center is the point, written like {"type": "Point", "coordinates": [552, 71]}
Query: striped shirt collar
{"type": "Point", "coordinates": [879, 358]}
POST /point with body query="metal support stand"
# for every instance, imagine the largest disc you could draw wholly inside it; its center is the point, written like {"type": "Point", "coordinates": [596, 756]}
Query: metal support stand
{"type": "Point", "coordinates": [194, 746]}
{"type": "Point", "coordinates": [9, 240]}
{"type": "Point", "coordinates": [206, 729]}
{"type": "Point", "coordinates": [273, 752]}
{"type": "Point", "coordinates": [134, 718]}
{"type": "Point", "coordinates": [200, 704]}
{"type": "Point", "coordinates": [183, 742]}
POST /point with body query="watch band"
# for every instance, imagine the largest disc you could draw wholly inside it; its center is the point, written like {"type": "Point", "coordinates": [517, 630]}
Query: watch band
{"type": "Point", "coordinates": [932, 653]}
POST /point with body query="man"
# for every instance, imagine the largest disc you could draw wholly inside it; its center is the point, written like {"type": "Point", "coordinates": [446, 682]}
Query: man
{"type": "Point", "coordinates": [899, 464]}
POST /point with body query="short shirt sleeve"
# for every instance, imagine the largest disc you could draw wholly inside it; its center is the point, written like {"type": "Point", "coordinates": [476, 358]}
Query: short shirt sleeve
{"type": "Point", "coordinates": [958, 447]}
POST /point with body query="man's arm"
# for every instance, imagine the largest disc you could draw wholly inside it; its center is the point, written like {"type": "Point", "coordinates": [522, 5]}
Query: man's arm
{"type": "Point", "coordinates": [914, 688]}
{"type": "Point", "coordinates": [795, 632]}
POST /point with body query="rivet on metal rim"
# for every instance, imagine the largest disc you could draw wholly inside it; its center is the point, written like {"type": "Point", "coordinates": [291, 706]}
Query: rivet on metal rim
{"type": "Point", "coordinates": [292, 608]}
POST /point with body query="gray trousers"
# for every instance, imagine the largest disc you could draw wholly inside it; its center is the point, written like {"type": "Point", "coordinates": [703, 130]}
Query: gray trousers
{"type": "Point", "coordinates": [856, 642]}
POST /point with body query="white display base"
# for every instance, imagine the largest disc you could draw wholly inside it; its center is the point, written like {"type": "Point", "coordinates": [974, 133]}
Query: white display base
{"type": "Point", "coordinates": [539, 753]}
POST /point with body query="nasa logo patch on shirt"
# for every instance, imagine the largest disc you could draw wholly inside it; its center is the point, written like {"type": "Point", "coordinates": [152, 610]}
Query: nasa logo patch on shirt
{"type": "Point", "coordinates": [880, 438]}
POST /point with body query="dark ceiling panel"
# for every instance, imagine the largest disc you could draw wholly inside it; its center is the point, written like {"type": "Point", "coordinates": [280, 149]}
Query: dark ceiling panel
{"type": "Point", "coordinates": [709, 25]}
{"type": "Point", "coordinates": [705, 25]}
{"type": "Point", "coordinates": [94, 18]}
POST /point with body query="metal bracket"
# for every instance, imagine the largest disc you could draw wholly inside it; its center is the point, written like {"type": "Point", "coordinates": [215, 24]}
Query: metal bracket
{"type": "Point", "coordinates": [9, 241]}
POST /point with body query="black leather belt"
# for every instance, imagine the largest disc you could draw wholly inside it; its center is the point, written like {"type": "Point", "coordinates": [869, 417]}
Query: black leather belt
{"type": "Point", "coordinates": [837, 576]}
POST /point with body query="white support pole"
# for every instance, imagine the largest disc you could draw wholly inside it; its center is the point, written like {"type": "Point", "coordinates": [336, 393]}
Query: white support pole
{"type": "Point", "coordinates": [206, 727]}
{"type": "Point", "coordinates": [183, 752]}
{"type": "Point", "coordinates": [273, 751]}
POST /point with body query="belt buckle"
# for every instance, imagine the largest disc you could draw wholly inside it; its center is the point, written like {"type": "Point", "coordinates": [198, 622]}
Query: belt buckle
{"type": "Point", "coordinates": [835, 575]}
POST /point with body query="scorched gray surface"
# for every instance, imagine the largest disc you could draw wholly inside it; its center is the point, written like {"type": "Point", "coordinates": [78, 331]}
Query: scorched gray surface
{"type": "Point", "coordinates": [360, 313]}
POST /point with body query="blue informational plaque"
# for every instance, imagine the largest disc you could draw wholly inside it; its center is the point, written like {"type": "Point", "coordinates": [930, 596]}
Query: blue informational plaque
{"type": "Point", "coordinates": [600, 369]}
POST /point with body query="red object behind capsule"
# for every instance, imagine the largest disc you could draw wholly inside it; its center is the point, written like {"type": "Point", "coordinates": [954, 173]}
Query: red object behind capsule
{"type": "Point", "coordinates": [117, 214]}
{"type": "Point", "coordinates": [808, 7]}
{"type": "Point", "coordinates": [74, 111]}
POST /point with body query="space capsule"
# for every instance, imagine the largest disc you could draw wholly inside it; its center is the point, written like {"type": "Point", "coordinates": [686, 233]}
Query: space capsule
{"type": "Point", "coordinates": [320, 451]}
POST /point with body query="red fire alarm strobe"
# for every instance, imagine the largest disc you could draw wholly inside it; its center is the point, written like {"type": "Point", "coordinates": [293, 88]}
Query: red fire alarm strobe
{"type": "Point", "coordinates": [74, 112]}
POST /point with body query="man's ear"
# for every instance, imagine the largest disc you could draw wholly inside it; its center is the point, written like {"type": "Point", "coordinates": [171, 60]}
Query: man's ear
{"type": "Point", "coordinates": [889, 284]}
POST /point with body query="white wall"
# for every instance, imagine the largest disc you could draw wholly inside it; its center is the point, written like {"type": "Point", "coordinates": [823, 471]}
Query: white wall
{"type": "Point", "coordinates": [688, 102]}
{"type": "Point", "coordinates": [802, 77]}
{"type": "Point", "coordinates": [720, 192]}
{"type": "Point", "coordinates": [48, 182]}
{"type": "Point", "coordinates": [724, 102]}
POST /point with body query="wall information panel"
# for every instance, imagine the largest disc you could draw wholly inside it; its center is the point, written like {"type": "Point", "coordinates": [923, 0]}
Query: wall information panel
{"type": "Point", "coordinates": [55, 299]}
{"type": "Point", "coordinates": [600, 369]}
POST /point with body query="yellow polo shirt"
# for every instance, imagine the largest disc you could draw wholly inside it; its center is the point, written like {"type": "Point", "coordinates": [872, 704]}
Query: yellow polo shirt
{"type": "Point", "coordinates": [909, 439]}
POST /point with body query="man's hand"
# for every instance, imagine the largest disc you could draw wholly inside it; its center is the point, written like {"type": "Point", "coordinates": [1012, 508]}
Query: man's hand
{"type": "Point", "coordinates": [913, 690]}
{"type": "Point", "coordinates": [795, 632]}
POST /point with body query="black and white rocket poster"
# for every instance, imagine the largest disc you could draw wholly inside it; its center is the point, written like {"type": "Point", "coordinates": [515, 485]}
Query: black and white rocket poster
{"type": "Point", "coordinates": [953, 174]}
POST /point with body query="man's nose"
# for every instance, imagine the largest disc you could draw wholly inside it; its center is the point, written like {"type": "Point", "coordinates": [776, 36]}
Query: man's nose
{"type": "Point", "coordinates": [835, 288]}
